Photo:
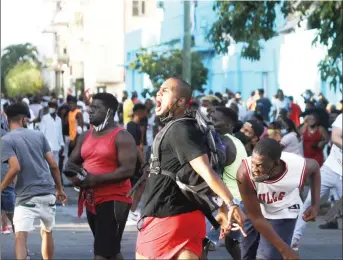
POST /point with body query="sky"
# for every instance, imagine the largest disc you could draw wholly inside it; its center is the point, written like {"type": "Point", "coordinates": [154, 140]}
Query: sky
{"type": "Point", "coordinates": [23, 21]}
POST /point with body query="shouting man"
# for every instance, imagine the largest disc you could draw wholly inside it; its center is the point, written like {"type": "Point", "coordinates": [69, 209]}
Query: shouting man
{"type": "Point", "coordinates": [108, 153]}
{"type": "Point", "coordinates": [168, 217]}
{"type": "Point", "coordinates": [269, 182]}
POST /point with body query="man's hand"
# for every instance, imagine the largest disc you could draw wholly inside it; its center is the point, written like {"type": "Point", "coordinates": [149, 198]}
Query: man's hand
{"type": "Point", "coordinates": [290, 254]}
{"type": "Point", "coordinates": [61, 196]}
{"type": "Point", "coordinates": [238, 216]}
{"type": "Point", "coordinates": [224, 224]}
{"type": "Point", "coordinates": [310, 213]}
{"type": "Point", "coordinates": [89, 182]}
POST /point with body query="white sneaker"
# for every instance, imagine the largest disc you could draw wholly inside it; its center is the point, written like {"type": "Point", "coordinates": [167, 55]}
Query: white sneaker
{"type": "Point", "coordinates": [295, 244]}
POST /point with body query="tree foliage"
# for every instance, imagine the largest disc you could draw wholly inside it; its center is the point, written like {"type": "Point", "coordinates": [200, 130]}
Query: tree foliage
{"type": "Point", "coordinates": [18, 54]}
{"type": "Point", "coordinates": [251, 22]}
{"type": "Point", "coordinates": [163, 65]}
{"type": "Point", "coordinates": [23, 79]}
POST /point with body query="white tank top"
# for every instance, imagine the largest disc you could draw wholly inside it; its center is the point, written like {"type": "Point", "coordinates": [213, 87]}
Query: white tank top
{"type": "Point", "coordinates": [280, 198]}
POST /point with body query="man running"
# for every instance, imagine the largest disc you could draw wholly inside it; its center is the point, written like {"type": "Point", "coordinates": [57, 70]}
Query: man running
{"type": "Point", "coordinates": [224, 119]}
{"type": "Point", "coordinates": [108, 153]}
{"type": "Point", "coordinates": [29, 157]}
{"type": "Point", "coordinates": [269, 182]}
{"type": "Point", "coordinates": [172, 226]}
{"type": "Point", "coordinates": [331, 173]}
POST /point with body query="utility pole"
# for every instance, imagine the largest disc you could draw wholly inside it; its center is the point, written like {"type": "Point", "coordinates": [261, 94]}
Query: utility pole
{"type": "Point", "coordinates": [187, 43]}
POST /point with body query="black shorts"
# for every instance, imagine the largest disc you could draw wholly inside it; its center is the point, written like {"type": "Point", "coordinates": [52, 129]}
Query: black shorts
{"type": "Point", "coordinates": [108, 226]}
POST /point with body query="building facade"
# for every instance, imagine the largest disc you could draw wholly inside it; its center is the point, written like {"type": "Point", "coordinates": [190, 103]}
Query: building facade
{"type": "Point", "coordinates": [288, 61]}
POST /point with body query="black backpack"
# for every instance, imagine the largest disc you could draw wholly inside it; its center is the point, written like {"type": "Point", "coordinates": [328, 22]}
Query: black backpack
{"type": "Point", "coordinates": [192, 185]}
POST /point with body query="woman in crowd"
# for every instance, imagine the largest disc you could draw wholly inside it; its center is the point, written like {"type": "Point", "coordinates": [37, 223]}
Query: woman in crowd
{"type": "Point", "coordinates": [315, 137]}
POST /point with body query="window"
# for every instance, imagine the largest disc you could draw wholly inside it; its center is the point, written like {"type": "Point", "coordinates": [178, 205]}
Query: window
{"type": "Point", "coordinates": [101, 89]}
{"type": "Point", "coordinates": [138, 8]}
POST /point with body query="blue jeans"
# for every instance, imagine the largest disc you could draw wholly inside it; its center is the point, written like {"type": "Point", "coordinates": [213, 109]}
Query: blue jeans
{"type": "Point", "coordinates": [8, 200]}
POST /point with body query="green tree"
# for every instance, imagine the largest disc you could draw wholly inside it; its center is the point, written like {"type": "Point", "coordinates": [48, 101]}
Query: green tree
{"type": "Point", "coordinates": [163, 65]}
{"type": "Point", "coordinates": [23, 79]}
{"type": "Point", "coordinates": [16, 54]}
{"type": "Point", "coordinates": [251, 22]}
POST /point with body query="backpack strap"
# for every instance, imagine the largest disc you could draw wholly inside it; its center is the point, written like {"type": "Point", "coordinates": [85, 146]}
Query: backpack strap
{"type": "Point", "coordinates": [155, 160]}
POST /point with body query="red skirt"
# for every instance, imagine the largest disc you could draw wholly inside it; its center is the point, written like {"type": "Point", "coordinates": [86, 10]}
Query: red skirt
{"type": "Point", "coordinates": [164, 238]}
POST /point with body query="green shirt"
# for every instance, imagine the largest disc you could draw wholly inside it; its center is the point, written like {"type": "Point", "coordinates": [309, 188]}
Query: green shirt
{"type": "Point", "coordinates": [230, 171]}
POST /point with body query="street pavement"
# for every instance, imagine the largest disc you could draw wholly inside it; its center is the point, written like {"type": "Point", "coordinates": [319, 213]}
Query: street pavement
{"type": "Point", "coordinates": [73, 239]}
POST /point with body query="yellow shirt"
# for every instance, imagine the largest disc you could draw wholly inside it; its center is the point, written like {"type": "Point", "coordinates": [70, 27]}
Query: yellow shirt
{"type": "Point", "coordinates": [127, 110]}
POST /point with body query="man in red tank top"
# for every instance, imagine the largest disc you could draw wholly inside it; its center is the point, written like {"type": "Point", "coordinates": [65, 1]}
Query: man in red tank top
{"type": "Point", "coordinates": [108, 153]}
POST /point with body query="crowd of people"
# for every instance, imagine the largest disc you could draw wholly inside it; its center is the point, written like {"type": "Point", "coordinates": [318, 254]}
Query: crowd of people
{"type": "Point", "coordinates": [113, 153]}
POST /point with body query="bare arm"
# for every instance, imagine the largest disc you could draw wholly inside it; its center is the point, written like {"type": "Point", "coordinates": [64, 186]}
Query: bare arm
{"type": "Point", "coordinates": [336, 136]}
{"type": "Point", "coordinates": [252, 206]}
{"type": "Point", "coordinates": [13, 169]}
{"type": "Point", "coordinates": [55, 172]}
{"type": "Point", "coordinates": [126, 156]}
{"type": "Point", "coordinates": [202, 166]}
{"type": "Point", "coordinates": [313, 172]}
{"type": "Point", "coordinates": [75, 157]}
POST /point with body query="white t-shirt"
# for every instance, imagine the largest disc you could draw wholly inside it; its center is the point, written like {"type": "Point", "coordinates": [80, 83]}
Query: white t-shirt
{"type": "Point", "coordinates": [291, 143]}
{"type": "Point", "coordinates": [334, 160]}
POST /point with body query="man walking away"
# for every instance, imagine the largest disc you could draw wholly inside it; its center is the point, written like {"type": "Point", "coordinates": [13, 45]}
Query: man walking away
{"type": "Point", "coordinates": [108, 153]}
{"type": "Point", "coordinates": [29, 157]}
{"type": "Point", "coordinates": [269, 182]}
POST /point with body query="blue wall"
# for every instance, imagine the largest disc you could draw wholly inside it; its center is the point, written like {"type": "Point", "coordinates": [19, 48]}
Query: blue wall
{"type": "Point", "coordinates": [231, 71]}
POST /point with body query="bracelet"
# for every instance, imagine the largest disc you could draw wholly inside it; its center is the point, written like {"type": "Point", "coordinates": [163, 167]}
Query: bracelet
{"type": "Point", "coordinates": [233, 203]}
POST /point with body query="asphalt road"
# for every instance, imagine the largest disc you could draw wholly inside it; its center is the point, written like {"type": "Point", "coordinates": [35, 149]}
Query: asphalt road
{"type": "Point", "coordinates": [73, 240]}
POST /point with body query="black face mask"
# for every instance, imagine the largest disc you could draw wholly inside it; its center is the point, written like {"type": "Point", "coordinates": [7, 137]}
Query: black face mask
{"type": "Point", "coordinates": [169, 115]}
{"type": "Point", "coordinates": [242, 137]}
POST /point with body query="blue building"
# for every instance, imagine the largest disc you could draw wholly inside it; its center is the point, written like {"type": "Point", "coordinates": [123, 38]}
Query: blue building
{"type": "Point", "coordinates": [288, 61]}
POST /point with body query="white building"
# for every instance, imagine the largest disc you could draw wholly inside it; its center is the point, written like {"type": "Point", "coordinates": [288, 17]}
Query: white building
{"type": "Point", "coordinates": [90, 42]}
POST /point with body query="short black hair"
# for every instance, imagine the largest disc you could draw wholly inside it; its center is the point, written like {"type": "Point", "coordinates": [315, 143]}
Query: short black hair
{"type": "Point", "coordinates": [108, 99]}
{"type": "Point", "coordinates": [291, 98]}
{"type": "Point", "coordinates": [52, 104]}
{"type": "Point", "coordinates": [269, 148]}
{"type": "Point", "coordinates": [16, 110]}
{"type": "Point", "coordinates": [260, 91]}
{"type": "Point", "coordinates": [257, 126]}
{"type": "Point", "coordinates": [138, 107]}
{"type": "Point", "coordinates": [229, 113]}
{"type": "Point", "coordinates": [184, 89]}
{"type": "Point", "coordinates": [71, 98]}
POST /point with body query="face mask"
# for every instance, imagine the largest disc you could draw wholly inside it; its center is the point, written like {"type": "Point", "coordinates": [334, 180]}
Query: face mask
{"type": "Point", "coordinates": [264, 177]}
{"type": "Point", "coordinates": [284, 131]}
{"type": "Point", "coordinates": [52, 110]}
{"type": "Point", "coordinates": [169, 114]}
{"type": "Point", "coordinates": [104, 123]}
{"type": "Point", "coordinates": [203, 110]}
{"type": "Point", "coordinates": [45, 104]}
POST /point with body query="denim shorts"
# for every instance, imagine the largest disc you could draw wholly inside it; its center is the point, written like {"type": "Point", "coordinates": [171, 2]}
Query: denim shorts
{"type": "Point", "coordinates": [8, 200]}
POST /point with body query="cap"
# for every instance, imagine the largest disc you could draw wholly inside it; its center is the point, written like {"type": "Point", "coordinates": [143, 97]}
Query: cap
{"type": "Point", "coordinates": [60, 96]}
